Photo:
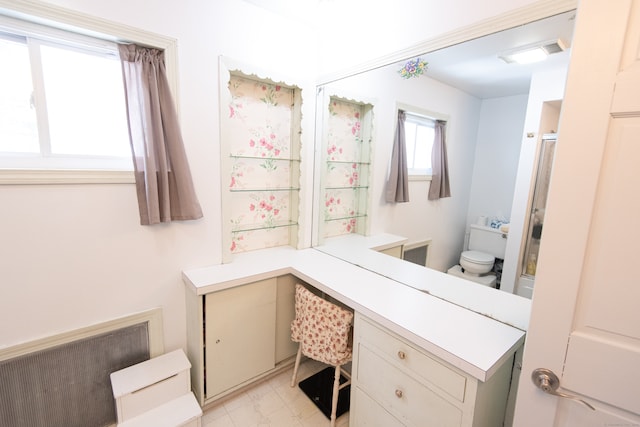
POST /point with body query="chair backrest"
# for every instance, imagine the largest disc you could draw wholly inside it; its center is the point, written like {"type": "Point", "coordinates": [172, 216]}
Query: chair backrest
{"type": "Point", "coordinates": [322, 328]}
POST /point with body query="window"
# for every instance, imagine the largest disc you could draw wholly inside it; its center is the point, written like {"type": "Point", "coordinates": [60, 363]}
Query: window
{"type": "Point", "coordinates": [62, 103]}
{"type": "Point", "coordinates": [419, 134]}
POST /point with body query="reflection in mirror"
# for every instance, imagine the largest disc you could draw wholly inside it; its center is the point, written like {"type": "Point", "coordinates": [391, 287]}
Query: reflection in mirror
{"type": "Point", "coordinates": [345, 153]}
{"type": "Point", "coordinates": [496, 112]}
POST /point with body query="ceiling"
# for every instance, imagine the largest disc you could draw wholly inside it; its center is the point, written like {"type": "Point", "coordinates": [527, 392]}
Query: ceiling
{"type": "Point", "coordinates": [475, 66]}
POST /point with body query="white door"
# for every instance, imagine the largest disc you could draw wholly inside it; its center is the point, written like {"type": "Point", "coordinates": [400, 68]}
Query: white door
{"type": "Point", "coordinates": [585, 323]}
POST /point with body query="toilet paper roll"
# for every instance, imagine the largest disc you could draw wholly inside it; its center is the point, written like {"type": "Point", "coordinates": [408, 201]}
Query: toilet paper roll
{"type": "Point", "coordinates": [482, 220]}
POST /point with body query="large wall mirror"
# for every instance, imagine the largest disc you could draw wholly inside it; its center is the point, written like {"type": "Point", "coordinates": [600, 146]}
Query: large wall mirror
{"type": "Point", "coordinates": [497, 113]}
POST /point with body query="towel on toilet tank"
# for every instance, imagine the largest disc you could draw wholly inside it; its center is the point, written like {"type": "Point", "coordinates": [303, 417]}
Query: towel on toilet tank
{"type": "Point", "coordinates": [497, 223]}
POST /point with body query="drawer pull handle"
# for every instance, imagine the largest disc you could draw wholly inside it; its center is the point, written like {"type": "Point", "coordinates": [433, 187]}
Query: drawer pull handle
{"type": "Point", "coordinates": [399, 393]}
{"type": "Point", "coordinates": [402, 355]}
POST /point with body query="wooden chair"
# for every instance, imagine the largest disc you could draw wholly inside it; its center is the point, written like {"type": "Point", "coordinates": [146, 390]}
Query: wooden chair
{"type": "Point", "coordinates": [323, 331]}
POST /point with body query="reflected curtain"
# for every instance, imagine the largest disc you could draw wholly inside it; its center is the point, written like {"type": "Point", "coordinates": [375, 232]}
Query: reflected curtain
{"type": "Point", "coordinates": [398, 183]}
{"type": "Point", "coordinates": [439, 187]}
{"type": "Point", "coordinates": [163, 179]}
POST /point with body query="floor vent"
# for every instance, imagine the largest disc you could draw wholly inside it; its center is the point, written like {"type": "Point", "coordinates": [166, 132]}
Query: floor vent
{"type": "Point", "coordinates": [417, 253]}
{"type": "Point", "coordinates": [64, 380]}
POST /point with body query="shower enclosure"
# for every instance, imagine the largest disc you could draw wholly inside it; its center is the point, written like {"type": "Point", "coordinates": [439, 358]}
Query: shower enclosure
{"type": "Point", "coordinates": [538, 204]}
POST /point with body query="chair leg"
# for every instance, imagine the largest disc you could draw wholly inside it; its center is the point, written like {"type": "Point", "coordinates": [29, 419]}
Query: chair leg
{"type": "Point", "coordinates": [334, 400]}
{"type": "Point", "coordinates": [296, 366]}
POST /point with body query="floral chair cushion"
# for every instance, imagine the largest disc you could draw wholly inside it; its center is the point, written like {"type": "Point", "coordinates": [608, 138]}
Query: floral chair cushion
{"type": "Point", "coordinates": [321, 328]}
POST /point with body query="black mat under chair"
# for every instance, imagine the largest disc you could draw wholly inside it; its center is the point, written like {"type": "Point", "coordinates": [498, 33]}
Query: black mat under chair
{"type": "Point", "coordinates": [319, 388]}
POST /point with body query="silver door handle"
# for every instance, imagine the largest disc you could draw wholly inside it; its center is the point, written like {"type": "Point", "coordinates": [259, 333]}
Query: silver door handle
{"type": "Point", "coordinates": [548, 382]}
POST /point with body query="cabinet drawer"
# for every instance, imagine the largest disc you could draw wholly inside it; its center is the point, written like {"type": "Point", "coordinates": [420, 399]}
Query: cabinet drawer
{"type": "Point", "coordinates": [369, 412]}
{"type": "Point", "coordinates": [407, 357]}
{"type": "Point", "coordinates": [407, 399]}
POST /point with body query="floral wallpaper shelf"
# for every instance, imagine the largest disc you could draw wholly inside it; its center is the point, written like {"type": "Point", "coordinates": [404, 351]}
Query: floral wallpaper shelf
{"type": "Point", "coordinates": [346, 170]}
{"type": "Point", "coordinates": [254, 173]}
{"type": "Point", "coordinates": [261, 173]}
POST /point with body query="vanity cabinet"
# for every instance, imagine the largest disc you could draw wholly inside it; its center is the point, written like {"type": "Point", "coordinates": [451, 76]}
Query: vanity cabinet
{"type": "Point", "coordinates": [418, 361]}
{"type": "Point", "coordinates": [239, 335]}
{"type": "Point", "coordinates": [240, 328]}
{"type": "Point", "coordinates": [395, 251]}
{"type": "Point", "coordinates": [394, 383]}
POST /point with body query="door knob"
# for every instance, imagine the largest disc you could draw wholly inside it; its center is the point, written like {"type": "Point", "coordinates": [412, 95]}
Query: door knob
{"type": "Point", "coordinates": [548, 382]}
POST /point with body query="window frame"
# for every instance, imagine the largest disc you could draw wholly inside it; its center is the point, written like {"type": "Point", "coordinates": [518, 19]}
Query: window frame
{"type": "Point", "coordinates": [416, 174]}
{"type": "Point", "coordinates": [57, 18]}
{"type": "Point", "coordinates": [34, 39]}
{"type": "Point", "coordinates": [427, 114]}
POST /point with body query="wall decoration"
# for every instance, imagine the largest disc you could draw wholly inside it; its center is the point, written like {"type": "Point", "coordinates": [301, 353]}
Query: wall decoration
{"type": "Point", "coordinates": [413, 68]}
{"type": "Point", "coordinates": [263, 164]}
{"type": "Point", "coordinates": [346, 173]}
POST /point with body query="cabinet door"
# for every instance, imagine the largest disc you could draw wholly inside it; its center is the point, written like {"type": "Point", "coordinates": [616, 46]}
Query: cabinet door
{"type": "Point", "coordinates": [239, 334]}
{"type": "Point", "coordinates": [395, 251]}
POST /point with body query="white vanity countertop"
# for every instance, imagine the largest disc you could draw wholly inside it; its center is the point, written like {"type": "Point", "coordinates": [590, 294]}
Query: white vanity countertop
{"type": "Point", "coordinates": [472, 342]}
{"type": "Point", "coordinates": [507, 308]}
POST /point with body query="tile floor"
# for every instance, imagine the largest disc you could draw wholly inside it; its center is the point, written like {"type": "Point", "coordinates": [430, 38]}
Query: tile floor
{"type": "Point", "coordinates": [272, 403]}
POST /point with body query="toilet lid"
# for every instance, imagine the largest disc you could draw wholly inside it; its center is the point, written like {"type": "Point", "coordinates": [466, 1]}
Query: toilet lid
{"type": "Point", "coordinates": [477, 257]}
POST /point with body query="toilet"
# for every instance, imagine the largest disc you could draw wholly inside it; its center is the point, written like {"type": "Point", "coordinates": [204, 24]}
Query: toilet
{"type": "Point", "coordinates": [485, 245]}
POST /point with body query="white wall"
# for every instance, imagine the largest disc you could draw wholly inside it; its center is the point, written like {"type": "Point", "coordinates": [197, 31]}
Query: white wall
{"type": "Point", "coordinates": [546, 86]}
{"type": "Point", "coordinates": [74, 255]}
{"type": "Point", "coordinates": [496, 157]}
{"type": "Point", "coordinates": [444, 220]}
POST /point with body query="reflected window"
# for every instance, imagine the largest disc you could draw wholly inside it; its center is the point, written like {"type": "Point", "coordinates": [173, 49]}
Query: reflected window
{"type": "Point", "coordinates": [419, 135]}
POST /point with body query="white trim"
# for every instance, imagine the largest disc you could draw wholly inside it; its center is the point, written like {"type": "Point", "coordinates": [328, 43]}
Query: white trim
{"type": "Point", "coordinates": [155, 329]}
{"type": "Point", "coordinates": [419, 177]}
{"type": "Point", "coordinates": [40, 177]}
{"type": "Point", "coordinates": [70, 20]}
{"type": "Point", "coordinates": [418, 112]}
{"type": "Point", "coordinates": [520, 16]}
{"type": "Point", "coordinates": [55, 35]}
{"type": "Point", "coordinates": [81, 23]}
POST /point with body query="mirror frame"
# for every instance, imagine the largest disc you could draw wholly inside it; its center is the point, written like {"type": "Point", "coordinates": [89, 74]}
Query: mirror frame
{"type": "Point", "coordinates": [536, 11]}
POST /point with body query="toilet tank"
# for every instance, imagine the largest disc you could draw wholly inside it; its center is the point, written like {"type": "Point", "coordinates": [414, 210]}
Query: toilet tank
{"type": "Point", "coordinates": [488, 240]}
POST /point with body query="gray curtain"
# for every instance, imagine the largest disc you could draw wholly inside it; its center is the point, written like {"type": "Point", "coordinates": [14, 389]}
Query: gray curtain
{"type": "Point", "coordinates": [439, 187]}
{"type": "Point", "coordinates": [163, 180]}
{"type": "Point", "coordinates": [398, 182]}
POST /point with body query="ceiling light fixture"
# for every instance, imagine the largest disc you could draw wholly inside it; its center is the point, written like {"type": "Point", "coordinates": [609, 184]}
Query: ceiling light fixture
{"type": "Point", "coordinates": [533, 53]}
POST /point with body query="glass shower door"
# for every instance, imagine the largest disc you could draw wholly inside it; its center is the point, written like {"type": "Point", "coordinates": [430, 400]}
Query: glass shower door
{"type": "Point", "coordinates": [538, 205]}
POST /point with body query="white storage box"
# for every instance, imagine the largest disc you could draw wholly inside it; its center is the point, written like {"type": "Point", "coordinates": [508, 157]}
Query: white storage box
{"type": "Point", "coordinates": [148, 385]}
{"type": "Point", "coordinates": [181, 412]}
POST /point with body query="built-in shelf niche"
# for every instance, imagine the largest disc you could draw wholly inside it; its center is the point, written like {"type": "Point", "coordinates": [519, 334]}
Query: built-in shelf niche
{"type": "Point", "coordinates": [345, 165]}
{"type": "Point", "coordinates": [260, 162]}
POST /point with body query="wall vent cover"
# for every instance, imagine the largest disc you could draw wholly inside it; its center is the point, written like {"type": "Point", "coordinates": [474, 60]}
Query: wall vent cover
{"type": "Point", "coordinates": [68, 385]}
